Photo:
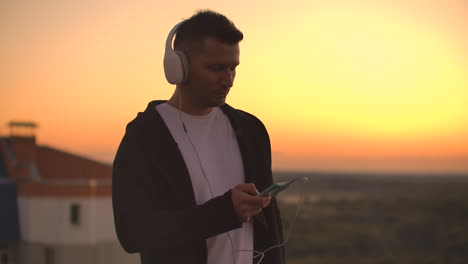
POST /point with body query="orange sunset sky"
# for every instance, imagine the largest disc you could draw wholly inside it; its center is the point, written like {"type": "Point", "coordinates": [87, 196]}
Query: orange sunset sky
{"type": "Point", "coordinates": [341, 85]}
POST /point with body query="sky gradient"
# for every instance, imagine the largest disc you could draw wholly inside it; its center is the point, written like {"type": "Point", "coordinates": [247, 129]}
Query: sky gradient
{"type": "Point", "coordinates": [340, 85]}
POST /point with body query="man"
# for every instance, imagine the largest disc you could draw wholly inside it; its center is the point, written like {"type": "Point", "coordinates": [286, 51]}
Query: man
{"type": "Point", "coordinates": [187, 172]}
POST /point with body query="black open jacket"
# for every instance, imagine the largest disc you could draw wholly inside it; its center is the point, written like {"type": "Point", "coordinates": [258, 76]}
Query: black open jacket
{"type": "Point", "coordinates": [154, 205]}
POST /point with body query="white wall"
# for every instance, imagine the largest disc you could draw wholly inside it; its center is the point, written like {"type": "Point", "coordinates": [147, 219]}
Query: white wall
{"type": "Point", "coordinates": [47, 220]}
{"type": "Point", "coordinates": [105, 229]}
{"type": "Point", "coordinates": [102, 253]}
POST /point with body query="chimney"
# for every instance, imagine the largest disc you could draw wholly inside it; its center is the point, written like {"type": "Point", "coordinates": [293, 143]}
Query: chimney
{"type": "Point", "coordinates": [22, 129]}
{"type": "Point", "coordinates": [23, 145]}
{"type": "Point", "coordinates": [23, 139]}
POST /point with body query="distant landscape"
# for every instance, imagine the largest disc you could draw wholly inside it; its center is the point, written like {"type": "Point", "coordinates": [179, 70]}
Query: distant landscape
{"type": "Point", "coordinates": [378, 219]}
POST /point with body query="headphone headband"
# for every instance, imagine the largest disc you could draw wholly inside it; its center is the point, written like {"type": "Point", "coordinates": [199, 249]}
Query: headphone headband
{"type": "Point", "coordinates": [171, 35]}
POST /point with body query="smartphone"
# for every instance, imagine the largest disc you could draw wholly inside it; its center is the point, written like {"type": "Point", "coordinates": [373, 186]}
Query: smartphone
{"type": "Point", "coordinates": [275, 188]}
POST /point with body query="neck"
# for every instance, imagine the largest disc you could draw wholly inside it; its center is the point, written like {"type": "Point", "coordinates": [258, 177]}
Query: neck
{"type": "Point", "coordinates": [183, 104]}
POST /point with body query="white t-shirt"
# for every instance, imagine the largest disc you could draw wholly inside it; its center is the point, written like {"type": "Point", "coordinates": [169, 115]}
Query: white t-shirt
{"type": "Point", "coordinates": [210, 146]}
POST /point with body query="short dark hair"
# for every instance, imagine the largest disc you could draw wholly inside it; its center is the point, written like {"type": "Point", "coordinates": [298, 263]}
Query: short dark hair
{"type": "Point", "coordinates": [207, 23]}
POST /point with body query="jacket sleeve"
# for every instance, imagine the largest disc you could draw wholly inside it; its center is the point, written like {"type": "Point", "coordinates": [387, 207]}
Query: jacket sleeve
{"type": "Point", "coordinates": [142, 224]}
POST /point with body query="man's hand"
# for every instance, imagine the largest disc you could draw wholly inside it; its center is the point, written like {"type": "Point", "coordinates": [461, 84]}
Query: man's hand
{"type": "Point", "coordinates": [245, 203]}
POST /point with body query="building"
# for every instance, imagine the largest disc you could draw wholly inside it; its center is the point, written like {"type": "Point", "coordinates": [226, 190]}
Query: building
{"type": "Point", "coordinates": [55, 206]}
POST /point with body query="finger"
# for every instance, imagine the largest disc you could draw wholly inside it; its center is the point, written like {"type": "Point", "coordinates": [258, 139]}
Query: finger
{"type": "Point", "coordinates": [251, 201]}
{"type": "Point", "coordinates": [249, 212]}
{"type": "Point", "coordinates": [254, 192]}
{"type": "Point", "coordinates": [248, 188]}
{"type": "Point", "coordinates": [246, 208]}
{"type": "Point", "coordinates": [253, 213]}
{"type": "Point", "coordinates": [254, 201]}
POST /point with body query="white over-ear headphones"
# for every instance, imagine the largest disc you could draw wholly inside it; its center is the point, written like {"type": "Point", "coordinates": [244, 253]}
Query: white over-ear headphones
{"type": "Point", "coordinates": [175, 62]}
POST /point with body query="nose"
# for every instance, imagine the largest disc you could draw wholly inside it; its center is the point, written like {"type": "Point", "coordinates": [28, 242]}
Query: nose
{"type": "Point", "coordinates": [228, 78]}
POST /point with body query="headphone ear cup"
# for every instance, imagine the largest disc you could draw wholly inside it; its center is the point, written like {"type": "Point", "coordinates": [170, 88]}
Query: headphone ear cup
{"type": "Point", "coordinates": [174, 67]}
{"type": "Point", "coordinates": [184, 63]}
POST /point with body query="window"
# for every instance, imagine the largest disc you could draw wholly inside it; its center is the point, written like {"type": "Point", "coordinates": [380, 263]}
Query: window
{"type": "Point", "coordinates": [75, 214]}
{"type": "Point", "coordinates": [3, 253]}
{"type": "Point", "coordinates": [49, 255]}
{"type": "Point", "coordinates": [4, 257]}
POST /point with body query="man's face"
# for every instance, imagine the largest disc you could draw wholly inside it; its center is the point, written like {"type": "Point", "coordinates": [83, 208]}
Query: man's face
{"type": "Point", "coordinates": [211, 74]}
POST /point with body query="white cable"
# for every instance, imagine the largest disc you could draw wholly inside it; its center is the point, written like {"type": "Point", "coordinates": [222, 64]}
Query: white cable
{"type": "Point", "coordinates": [262, 253]}
{"type": "Point", "coordinates": [258, 253]}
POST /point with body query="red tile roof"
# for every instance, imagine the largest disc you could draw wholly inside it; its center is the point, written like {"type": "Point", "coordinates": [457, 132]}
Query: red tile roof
{"type": "Point", "coordinates": [45, 171]}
